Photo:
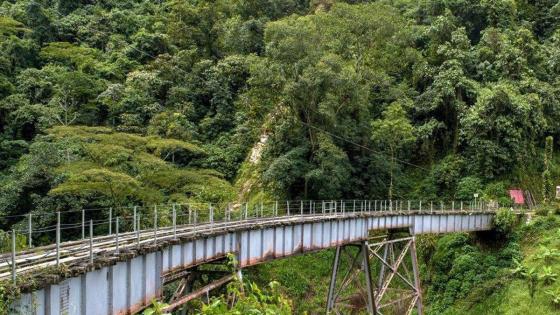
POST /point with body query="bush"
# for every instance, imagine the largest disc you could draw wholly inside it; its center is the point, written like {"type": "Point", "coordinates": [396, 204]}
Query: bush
{"type": "Point", "coordinates": [467, 187]}
{"type": "Point", "coordinates": [499, 191]}
{"type": "Point", "coordinates": [249, 299]}
{"type": "Point", "coordinates": [543, 210]}
{"type": "Point", "coordinates": [459, 267]}
{"type": "Point", "coordinates": [532, 279]}
{"type": "Point", "coordinates": [548, 277]}
{"type": "Point", "coordinates": [539, 225]}
{"type": "Point", "coordinates": [505, 221]}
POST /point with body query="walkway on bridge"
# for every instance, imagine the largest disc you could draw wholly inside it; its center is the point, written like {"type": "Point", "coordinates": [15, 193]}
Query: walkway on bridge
{"type": "Point", "coordinates": [130, 265]}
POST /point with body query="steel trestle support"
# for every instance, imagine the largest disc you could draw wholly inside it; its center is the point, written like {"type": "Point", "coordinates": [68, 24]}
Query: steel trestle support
{"type": "Point", "coordinates": [376, 277]}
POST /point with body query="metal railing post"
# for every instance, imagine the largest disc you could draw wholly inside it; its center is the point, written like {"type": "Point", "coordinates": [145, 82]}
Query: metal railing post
{"type": "Point", "coordinates": [288, 207]}
{"type": "Point", "coordinates": [134, 218]}
{"type": "Point", "coordinates": [431, 207]}
{"type": "Point", "coordinates": [91, 241]}
{"type": "Point", "coordinates": [58, 238]}
{"type": "Point", "coordinates": [83, 224]}
{"type": "Point", "coordinates": [453, 205]}
{"type": "Point", "coordinates": [117, 235]}
{"type": "Point", "coordinates": [420, 208]}
{"type": "Point", "coordinates": [246, 210]}
{"type": "Point", "coordinates": [29, 231]}
{"type": "Point", "coordinates": [301, 206]}
{"type": "Point", "coordinates": [14, 256]}
{"type": "Point", "coordinates": [174, 222]}
{"type": "Point", "coordinates": [155, 224]}
{"type": "Point", "coordinates": [110, 221]}
{"type": "Point", "coordinates": [138, 232]}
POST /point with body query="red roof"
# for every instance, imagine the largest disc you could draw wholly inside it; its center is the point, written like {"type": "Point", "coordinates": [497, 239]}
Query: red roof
{"type": "Point", "coordinates": [517, 196]}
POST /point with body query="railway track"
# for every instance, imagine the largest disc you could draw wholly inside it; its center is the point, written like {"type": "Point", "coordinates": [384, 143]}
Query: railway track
{"type": "Point", "coordinates": [78, 251]}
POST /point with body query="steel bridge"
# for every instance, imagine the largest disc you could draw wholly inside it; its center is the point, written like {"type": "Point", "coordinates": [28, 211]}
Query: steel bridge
{"type": "Point", "coordinates": [123, 271]}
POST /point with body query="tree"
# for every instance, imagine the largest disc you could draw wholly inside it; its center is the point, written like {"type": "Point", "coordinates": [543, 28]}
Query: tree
{"type": "Point", "coordinates": [393, 133]}
{"type": "Point", "coordinates": [501, 128]}
{"type": "Point", "coordinates": [548, 184]}
{"type": "Point", "coordinates": [81, 58]}
{"type": "Point", "coordinates": [172, 125]}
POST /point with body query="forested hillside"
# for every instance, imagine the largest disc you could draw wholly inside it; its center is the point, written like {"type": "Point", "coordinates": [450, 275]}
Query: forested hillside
{"type": "Point", "coordinates": [119, 102]}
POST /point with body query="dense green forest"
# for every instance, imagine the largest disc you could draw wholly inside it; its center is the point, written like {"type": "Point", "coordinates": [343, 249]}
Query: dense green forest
{"type": "Point", "coordinates": [121, 102]}
{"type": "Point", "coordinates": [460, 95]}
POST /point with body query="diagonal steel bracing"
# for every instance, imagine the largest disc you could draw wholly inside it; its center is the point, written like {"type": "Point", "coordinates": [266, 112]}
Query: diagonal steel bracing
{"type": "Point", "coordinates": [395, 289]}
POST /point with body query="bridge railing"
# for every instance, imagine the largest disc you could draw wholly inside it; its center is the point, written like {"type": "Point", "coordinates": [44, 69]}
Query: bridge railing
{"type": "Point", "coordinates": [82, 230]}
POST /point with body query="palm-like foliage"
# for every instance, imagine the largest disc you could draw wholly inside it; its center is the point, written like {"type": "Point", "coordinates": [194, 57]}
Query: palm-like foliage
{"type": "Point", "coordinates": [548, 276]}
{"type": "Point", "coordinates": [518, 269]}
{"type": "Point", "coordinates": [548, 254]}
{"type": "Point", "coordinates": [532, 278]}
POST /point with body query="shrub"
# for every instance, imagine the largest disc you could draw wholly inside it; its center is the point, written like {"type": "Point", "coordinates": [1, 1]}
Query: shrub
{"type": "Point", "coordinates": [543, 210]}
{"type": "Point", "coordinates": [532, 279]}
{"type": "Point", "coordinates": [504, 221]}
{"type": "Point", "coordinates": [499, 191]}
{"type": "Point", "coordinates": [467, 187]}
{"type": "Point", "coordinates": [518, 269]}
{"type": "Point", "coordinates": [548, 254]}
{"type": "Point", "coordinates": [547, 276]}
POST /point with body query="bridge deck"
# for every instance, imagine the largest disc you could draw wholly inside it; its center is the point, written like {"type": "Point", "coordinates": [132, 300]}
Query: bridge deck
{"type": "Point", "coordinates": [77, 252]}
{"type": "Point", "coordinates": [126, 281]}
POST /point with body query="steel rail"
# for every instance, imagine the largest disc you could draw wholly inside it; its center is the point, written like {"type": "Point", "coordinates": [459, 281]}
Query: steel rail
{"type": "Point", "coordinates": [78, 250]}
{"type": "Point", "coordinates": [128, 240]}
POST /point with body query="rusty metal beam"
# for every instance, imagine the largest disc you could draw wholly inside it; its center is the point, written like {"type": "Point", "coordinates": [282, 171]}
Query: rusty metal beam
{"type": "Point", "coordinates": [197, 293]}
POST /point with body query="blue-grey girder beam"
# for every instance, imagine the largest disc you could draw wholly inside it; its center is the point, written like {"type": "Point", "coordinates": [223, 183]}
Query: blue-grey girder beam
{"type": "Point", "coordinates": [128, 283]}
